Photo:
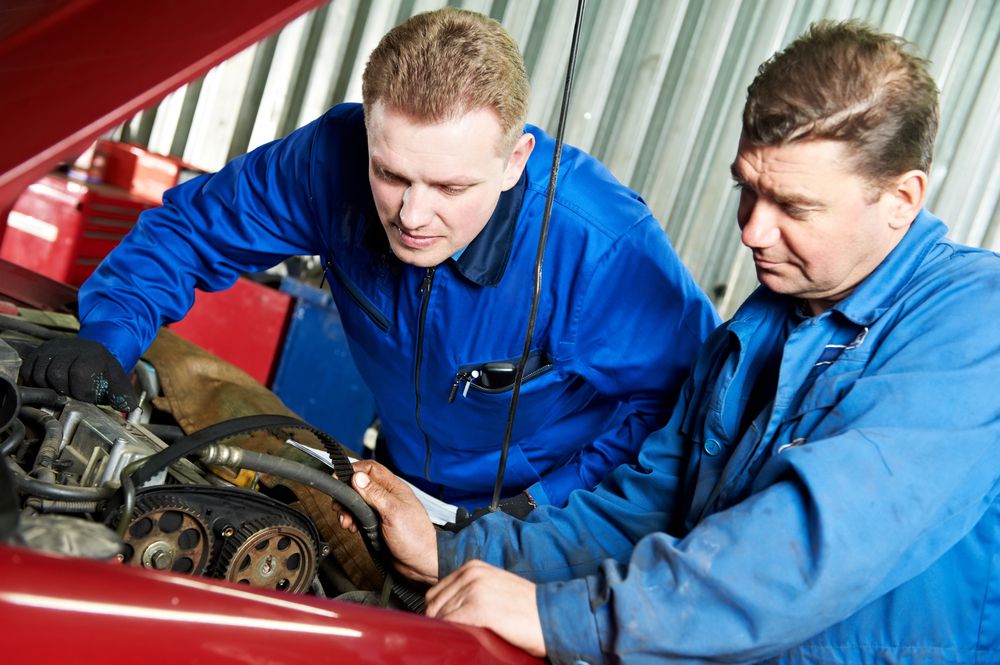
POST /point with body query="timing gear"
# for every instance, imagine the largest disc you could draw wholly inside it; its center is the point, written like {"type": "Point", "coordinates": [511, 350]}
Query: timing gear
{"type": "Point", "coordinates": [168, 533]}
{"type": "Point", "coordinates": [271, 554]}
{"type": "Point", "coordinates": [230, 533]}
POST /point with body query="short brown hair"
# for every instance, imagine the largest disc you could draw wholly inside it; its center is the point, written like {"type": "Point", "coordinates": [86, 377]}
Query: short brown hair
{"type": "Point", "coordinates": [442, 64]}
{"type": "Point", "coordinates": [845, 81]}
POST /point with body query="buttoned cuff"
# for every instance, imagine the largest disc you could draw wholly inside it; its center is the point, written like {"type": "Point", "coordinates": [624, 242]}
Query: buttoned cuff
{"type": "Point", "coordinates": [454, 549]}
{"type": "Point", "coordinates": [569, 626]}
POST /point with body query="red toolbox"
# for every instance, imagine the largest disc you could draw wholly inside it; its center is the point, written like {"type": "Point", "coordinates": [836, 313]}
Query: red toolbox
{"type": "Point", "coordinates": [62, 227]}
{"type": "Point", "coordinates": [146, 174]}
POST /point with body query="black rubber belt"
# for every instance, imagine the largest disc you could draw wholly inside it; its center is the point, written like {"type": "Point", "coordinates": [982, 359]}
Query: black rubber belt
{"type": "Point", "coordinates": [411, 597]}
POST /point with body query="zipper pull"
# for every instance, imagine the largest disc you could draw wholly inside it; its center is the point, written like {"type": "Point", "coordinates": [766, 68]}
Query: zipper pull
{"type": "Point", "coordinates": [426, 283]}
{"type": "Point", "coordinates": [473, 375]}
{"type": "Point", "coordinates": [463, 379]}
{"type": "Point", "coordinates": [461, 376]}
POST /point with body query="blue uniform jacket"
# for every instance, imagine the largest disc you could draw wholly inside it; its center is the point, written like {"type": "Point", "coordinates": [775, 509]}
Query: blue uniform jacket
{"type": "Point", "coordinates": [856, 522]}
{"type": "Point", "coordinates": [619, 324]}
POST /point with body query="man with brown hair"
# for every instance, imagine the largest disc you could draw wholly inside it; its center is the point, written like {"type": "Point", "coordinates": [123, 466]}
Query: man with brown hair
{"type": "Point", "coordinates": [426, 206]}
{"type": "Point", "coordinates": [826, 490]}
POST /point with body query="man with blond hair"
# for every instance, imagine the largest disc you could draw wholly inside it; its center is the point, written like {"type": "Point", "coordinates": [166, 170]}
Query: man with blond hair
{"type": "Point", "coordinates": [425, 204]}
{"type": "Point", "coordinates": [828, 487]}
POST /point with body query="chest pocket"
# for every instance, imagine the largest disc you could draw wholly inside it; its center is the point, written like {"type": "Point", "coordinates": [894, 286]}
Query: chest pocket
{"type": "Point", "coordinates": [354, 293]}
{"type": "Point", "coordinates": [816, 407]}
{"type": "Point", "coordinates": [481, 393]}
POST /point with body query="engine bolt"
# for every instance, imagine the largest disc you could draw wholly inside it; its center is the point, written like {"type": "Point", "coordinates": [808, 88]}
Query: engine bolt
{"type": "Point", "coordinates": [160, 560]}
{"type": "Point", "coordinates": [227, 532]}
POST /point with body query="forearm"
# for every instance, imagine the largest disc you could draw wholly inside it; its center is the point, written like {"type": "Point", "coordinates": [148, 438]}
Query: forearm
{"type": "Point", "coordinates": [559, 544]}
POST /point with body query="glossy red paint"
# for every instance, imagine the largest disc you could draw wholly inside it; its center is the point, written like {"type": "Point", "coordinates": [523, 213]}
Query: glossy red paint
{"type": "Point", "coordinates": [75, 68]}
{"type": "Point", "coordinates": [56, 609]}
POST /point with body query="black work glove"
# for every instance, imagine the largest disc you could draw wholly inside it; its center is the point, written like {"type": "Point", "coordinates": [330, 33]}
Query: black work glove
{"type": "Point", "coordinates": [81, 368]}
{"type": "Point", "coordinates": [517, 506]}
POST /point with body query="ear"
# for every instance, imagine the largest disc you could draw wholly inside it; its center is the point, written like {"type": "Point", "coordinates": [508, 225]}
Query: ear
{"type": "Point", "coordinates": [906, 197]}
{"type": "Point", "coordinates": [518, 158]}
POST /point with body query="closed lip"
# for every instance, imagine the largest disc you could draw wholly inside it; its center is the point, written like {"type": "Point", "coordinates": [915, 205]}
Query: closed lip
{"type": "Point", "coordinates": [412, 239]}
{"type": "Point", "coordinates": [765, 263]}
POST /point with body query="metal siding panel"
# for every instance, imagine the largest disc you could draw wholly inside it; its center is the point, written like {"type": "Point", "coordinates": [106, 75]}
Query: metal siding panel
{"type": "Point", "coordinates": [657, 97]}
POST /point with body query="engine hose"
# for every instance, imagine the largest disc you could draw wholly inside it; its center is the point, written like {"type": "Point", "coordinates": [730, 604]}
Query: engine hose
{"type": "Point", "coordinates": [42, 397]}
{"type": "Point", "coordinates": [46, 490]}
{"type": "Point", "coordinates": [128, 494]}
{"type": "Point", "coordinates": [14, 439]}
{"type": "Point", "coordinates": [290, 469]}
{"type": "Point", "coordinates": [49, 449]}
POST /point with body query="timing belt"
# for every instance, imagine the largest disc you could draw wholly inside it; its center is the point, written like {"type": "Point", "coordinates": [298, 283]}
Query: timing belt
{"type": "Point", "coordinates": [412, 598]}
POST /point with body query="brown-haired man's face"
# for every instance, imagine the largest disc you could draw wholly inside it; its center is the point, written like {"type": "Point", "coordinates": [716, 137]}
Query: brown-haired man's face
{"type": "Point", "coordinates": [436, 185]}
{"type": "Point", "coordinates": [813, 225]}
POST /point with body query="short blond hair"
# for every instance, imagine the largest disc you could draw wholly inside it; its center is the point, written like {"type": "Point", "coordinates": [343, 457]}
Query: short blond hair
{"type": "Point", "coordinates": [442, 64]}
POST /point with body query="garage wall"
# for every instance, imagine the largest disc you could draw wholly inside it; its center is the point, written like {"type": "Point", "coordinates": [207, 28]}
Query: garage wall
{"type": "Point", "coordinates": [659, 89]}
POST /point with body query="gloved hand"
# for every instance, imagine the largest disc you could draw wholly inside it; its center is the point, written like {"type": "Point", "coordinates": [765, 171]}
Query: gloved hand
{"type": "Point", "coordinates": [81, 368]}
{"type": "Point", "coordinates": [517, 506]}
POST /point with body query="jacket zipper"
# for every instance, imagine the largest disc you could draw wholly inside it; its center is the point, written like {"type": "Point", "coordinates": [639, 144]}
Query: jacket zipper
{"type": "Point", "coordinates": [425, 292]}
{"type": "Point", "coordinates": [360, 300]}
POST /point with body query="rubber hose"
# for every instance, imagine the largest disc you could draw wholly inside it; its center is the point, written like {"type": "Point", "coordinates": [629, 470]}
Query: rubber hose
{"type": "Point", "coordinates": [292, 470]}
{"type": "Point", "coordinates": [42, 397]}
{"type": "Point", "coordinates": [14, 440]}
{"type": "Point", "coordinates": [50, 442]}
{"type": "Point", "coordinates": [28, 485]}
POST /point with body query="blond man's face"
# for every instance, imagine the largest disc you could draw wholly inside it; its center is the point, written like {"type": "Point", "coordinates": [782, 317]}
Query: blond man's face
{"type": "Point", "coordinates": [436, 185]}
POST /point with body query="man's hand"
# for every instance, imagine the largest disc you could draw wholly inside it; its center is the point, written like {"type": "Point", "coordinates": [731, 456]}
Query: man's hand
{"type": "Point", "coordinates": [479, 594]}
{"type": "Point", "coordinates": [406, 528]}
{"type": "Point", "coordinates": [82, 369]}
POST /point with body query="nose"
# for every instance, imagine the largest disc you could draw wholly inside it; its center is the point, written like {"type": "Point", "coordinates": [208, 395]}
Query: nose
{"type": "Point", "coordinates": [416, 211]}
{"type": "Point", "coordinates": [759, 226]}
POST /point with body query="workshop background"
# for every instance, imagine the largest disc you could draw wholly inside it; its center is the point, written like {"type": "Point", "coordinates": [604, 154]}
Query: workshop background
{"type": "Point", "coordinates": [658, 93]}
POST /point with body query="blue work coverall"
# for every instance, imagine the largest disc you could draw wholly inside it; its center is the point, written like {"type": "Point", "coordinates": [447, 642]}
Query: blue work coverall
{"type": "Point", "coordinates": [856, 520]}
{"type": "Point", "coordinates": [619, 324]}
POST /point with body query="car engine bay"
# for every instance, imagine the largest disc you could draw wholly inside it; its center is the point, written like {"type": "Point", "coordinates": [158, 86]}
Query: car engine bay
{"type": "Point", "coordinates": [84, 480]}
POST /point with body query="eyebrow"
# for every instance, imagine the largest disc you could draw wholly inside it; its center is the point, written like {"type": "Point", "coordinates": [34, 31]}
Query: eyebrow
{"type": "Point", "coordinates": [456, 181]}
{"type": "Point", "coordinates": [782, 198]}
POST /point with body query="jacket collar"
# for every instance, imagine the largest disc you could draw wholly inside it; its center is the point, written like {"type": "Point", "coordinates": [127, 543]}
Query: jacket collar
{"type": "Point", "coordinates": [879, 290]}
{"type": "Point", "coordinates": [485, 258]}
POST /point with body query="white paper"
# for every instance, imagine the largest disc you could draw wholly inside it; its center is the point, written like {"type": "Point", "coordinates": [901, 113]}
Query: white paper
{"type": "Point", "coordinates": [439, 511]}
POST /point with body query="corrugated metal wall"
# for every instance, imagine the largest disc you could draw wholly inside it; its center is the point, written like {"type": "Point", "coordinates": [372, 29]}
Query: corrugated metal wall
{"type": "Point", "coordinates": [659, 89]}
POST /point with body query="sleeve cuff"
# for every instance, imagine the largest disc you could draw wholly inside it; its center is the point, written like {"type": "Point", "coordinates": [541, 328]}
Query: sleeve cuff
{"type": "Point", "coordinates": [454, 549]}
{"type": "Point", "coordinates": [568, 624]}
{"type": "Point", "coordinates": [118, 341]}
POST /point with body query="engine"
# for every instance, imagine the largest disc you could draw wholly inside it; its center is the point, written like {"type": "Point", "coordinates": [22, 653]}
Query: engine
{"type": "Point", "coordinates": [69, 467]}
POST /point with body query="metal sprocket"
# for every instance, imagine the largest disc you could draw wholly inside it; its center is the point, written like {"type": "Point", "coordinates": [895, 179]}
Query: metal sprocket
{"type": "Point", "coordinates": [269, 553]}
{"type": "Point", "coordinates": [168, 534]}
